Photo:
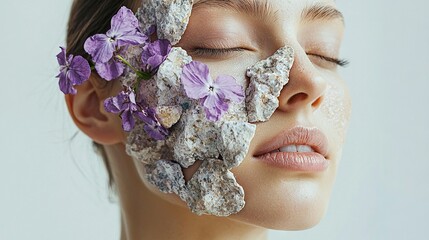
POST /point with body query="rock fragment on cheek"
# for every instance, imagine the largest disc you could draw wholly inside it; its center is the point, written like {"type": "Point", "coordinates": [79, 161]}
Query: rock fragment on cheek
{"type": "Point", "coordinates": [213, 190]}
{"type": "Point", "coordinates": [267, 79]}
{"type": "Point", "coordinates": [169, 16]}
{"type": "Point", "coordinates": [234, 142]}
{"type": "Point", "coordinates": [197, 138]}
{"type": "Point", "coordinates": [167, 176]}
{"type": "Point", "coordinates": [169, 87]}
{"type": "Point", "coordinates": [144, 149]}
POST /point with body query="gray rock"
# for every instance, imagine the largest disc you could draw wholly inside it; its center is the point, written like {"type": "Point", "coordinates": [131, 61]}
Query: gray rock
{"type": "Point", "coordinates": [167, 176]}
{"type": "Point", "coordinates": [213, 190]}
{"type": "Point", "coordinates": [267, 79]}
{"type": "Point", "coordinates": [234, 142]}
{"type": "Point", "coordinates": [169, 16]}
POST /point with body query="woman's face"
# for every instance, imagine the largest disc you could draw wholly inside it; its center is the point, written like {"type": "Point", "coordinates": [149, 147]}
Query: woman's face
{"type": "Point", "coordinates": [315, 97]}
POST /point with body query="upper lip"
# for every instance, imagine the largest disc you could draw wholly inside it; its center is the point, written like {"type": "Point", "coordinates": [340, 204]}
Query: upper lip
{"type": "Point", "coordinates": [312, 137]}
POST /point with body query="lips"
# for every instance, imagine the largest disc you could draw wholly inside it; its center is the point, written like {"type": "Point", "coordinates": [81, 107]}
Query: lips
{"type": "Point", "coordinates": [300, 148]}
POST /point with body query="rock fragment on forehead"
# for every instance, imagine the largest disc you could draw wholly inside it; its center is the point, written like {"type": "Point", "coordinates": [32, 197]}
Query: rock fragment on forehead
{"type": "Point", "coordinates": [170, 17]}
{"type": "Point", "coordinates": [267, 79]}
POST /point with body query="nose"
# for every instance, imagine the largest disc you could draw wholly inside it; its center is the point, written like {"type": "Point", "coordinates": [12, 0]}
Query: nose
{"type": "Point", "coordinates": [306, 86]}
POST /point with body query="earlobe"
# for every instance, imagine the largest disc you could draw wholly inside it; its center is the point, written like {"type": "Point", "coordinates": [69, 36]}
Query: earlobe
{"type": "Point", "coordinates": [87, 111]}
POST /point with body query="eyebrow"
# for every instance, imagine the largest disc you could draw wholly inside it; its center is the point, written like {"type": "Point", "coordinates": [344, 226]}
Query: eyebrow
{"type": "Point", "coordinates": [264, 10]}
{"type": "Point", "coordinates": [320, 11]}
{"type": "Point", "coordinates": [261, 9]}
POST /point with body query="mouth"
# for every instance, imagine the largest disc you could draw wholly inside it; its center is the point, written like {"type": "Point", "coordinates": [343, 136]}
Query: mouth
{"type": "Point", "coordinates": [298, 149]}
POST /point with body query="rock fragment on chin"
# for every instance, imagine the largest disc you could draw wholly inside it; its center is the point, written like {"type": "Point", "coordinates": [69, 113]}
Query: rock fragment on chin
{"type": "Point", "coordinates": [170, 17]}
{"type": "Point", "coordinates": [213, 190]}
{"type": "Point", "coordinates": [168, 177]}
{"type": "Point", "coordinates": [267, 79]}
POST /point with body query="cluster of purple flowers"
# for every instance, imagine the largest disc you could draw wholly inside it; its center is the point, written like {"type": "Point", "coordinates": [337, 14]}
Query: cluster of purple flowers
{"type": "Point", "coordinates": [126, 105]}
{"type": "Point", "coordinates": [107, 52]}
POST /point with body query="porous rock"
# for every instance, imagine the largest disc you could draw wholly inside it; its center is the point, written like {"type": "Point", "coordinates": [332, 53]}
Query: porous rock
{"type": "Point", "coordinates": [213, 190]}
{"type": "Point", "coordinates": [196, 139]}
{"type": "Point", "coordinates": [143, 148]}
{"type": "Point", "coordinates": [169, 16]}
{"type": "Point", "coordinates": [234, 142]}
{"type": "Point", "coordinates": [267, 79]}
{"type": "Point", "coordinates": [167, 176]}
{"type": "Point", "coordinates": [169, 88]}
{"type": "Point", "coordinates": [168, 115]}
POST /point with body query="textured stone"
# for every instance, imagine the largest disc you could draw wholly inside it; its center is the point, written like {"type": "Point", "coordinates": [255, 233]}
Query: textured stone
{"type": "Point", "coordinates": [169, 16]}
{"type": "Point", "coordinates": [234, 142]}
{"type": "Point", "coordinates": [168, 115]}
{"type": "Point", "coordinates": [267, 79]}
{"type": "Point", "coordinates": [167, 176]}
{"type": "Point", "coordinates": [143, 148]}
{"type": "Point", "coordinates": [169, 88]}
{"type": "Point", "coordinates": [219, 145]}
{"type": "Point", "coordinates": [213, 190]}
{"type": "Point", "coordinates": [197, 138]}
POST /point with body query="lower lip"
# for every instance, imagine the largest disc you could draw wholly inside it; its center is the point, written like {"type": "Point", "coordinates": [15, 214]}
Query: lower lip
{"type": "Point", "coordinates": [296, 161]}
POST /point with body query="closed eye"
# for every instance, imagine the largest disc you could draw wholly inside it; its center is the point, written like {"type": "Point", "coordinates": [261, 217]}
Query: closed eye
{"type": "Point", "coordinates": [339, 62]}
{"type": "Point", "coordinates": [215, 52]}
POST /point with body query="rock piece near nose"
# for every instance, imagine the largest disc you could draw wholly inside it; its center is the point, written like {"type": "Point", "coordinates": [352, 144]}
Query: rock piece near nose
{"type": "Point", "coordinates": [267, 79]}
{"type": "Point", "coordinates": [170, 17]}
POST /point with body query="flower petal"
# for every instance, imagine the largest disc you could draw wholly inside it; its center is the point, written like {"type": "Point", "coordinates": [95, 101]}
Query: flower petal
{"type": "Point", "coordinates": [79, 70]}
{"type": "Point", "coordinates": [61, 57]}
{"type": "Point", "coordinates": [155, 53]}
{"type": "Point", "coordinates": [196, 79]}
{"type": "Point", "coordinates": [127, 121]}
{"type": "Point", "coordinates": [156, 132]}
{"type": "Point", "coordinates": [227, 88]}
{"type": "Point", "coordinates": [65, 85]}
{"type": "Point", "coordinates": [214, 107]}
{"type": "Point", "coordinates": [125, 29]}
{"type": "Point", "coordinates": [100, 47]}
{"type": "Point", "coordinates": [124, 21]}
{"type": "Point", "coordinates": [110, 70]}
{"type": "Point", "coordinates": [115, 104]}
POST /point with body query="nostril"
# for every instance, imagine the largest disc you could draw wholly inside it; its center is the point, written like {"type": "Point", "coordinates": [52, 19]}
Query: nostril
{"type": "Point", "coordinates": [297, 98]}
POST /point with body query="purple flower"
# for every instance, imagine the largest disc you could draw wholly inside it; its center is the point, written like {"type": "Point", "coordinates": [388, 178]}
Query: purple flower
{"type": "Point", "coordinates": [128, 108]}
{"type": "Point", "coordinates": [125, 105]}
{"type": "Point", "coordinates": [152, 126]}
{"type": "Point", "coordinates": [74, 70]}
{"type": "Point", "coordinates": [124, 31]}
{"type": "Point", "coordinates": [154, 54]}
{"type": "Point", "coordinates": [214, 95]}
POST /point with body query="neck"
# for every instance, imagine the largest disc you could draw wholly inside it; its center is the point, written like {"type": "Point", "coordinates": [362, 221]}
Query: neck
{"type": "Point", "coordinates": [145, 215]}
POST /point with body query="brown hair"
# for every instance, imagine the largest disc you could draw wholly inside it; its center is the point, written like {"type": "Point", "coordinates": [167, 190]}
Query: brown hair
{"type": "Point", "coordinates": [89, 17]}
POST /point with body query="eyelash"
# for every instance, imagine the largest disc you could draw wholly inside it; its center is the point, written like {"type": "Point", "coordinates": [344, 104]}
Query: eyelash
{"type": "Point", "coordinates": [215, 51]}
{"type": "Point", "coordinates": [339, 62]}
{"type": "Point", "coordinates": [220, 51]}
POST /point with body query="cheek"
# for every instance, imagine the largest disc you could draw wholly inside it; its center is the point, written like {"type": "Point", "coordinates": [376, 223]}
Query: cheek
{"type": "Point", "coordinates": [336, 108]}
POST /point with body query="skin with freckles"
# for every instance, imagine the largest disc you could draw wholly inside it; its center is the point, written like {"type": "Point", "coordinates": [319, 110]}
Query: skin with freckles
{"type": "Point", "coordinates": [316, 96]}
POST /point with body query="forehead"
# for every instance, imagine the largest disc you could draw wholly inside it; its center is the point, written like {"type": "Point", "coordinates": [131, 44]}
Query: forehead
{"type": "Point", "coordinates": [303, 9]}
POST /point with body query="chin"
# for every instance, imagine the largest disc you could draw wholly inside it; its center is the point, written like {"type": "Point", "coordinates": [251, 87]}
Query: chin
{"type": "Point", "coordinates": [281, 200]}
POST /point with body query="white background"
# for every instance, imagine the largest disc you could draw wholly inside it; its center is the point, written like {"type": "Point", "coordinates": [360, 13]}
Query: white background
{"type": "Point", "coordinates": [53, 187]}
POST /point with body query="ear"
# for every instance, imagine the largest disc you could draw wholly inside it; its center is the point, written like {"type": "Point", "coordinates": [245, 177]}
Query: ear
{"type": "Point", "coordinates": [88, 113]}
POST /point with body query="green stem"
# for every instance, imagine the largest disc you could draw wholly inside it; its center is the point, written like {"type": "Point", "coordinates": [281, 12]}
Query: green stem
{"type": "Point", "coordinates": [140, 74]}
{"type": "Point", "coordinates": [126, 62]}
